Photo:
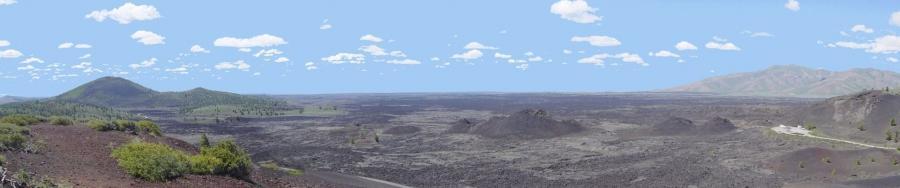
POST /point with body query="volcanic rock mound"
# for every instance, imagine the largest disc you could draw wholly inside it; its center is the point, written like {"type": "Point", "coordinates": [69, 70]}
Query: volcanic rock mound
{"type": "Point", "coordinates": [398, 130]}
{"type": "Point", "coordinates": [674, 125]}
{"type": "Point", "coordinates": [461, 126]}
{"type": "Point", "coordinates": [717, 125]}
{"type": "Point", "coordinates": [682, 126]}
{"type": "Point", "coordinates": [526, 124]}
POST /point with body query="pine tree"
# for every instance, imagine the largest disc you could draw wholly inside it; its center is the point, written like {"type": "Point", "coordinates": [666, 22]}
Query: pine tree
{"type": "Point", "coordinates": [204, 141]}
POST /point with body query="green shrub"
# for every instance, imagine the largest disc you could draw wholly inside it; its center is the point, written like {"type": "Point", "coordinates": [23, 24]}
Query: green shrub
{"type": "Point", "coordinates": [101, 125]}
{"type": "Point", "coordinates": [58, 120]}
{"type": "Point", "coordinates": [124, 125]}
{"type": "Point", "coordinates": [149, 127]}
{"type": "Point", "coordinates": [20, 120]}
{"type": "Point", "coordinates": [150, 161]}
{"type": "Point", "coordinates": [235, 161]}
{"type": "Point", "coordinates": [204, 164]}
{"type": "Point", "coordinates": [204, 141]}
{"type": "Point", "coordinates": [13, 137]}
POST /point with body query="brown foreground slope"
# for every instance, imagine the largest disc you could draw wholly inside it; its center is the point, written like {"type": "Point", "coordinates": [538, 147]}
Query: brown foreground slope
{"type": "Point", "coordinates": [79, 156]}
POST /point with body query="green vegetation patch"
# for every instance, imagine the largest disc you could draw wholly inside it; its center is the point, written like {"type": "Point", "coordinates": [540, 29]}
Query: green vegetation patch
{"type": "Point", "coordinates": [159, 162]}
{"type": "Point", "coordinates": [143, 126]}
{"type": "Point", "coordinates": [271, 165]}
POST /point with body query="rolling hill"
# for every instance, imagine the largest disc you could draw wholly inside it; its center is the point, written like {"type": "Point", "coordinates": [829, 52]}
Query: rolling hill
{"type": "Point", "coordinates": [123, 93]}
{"type": "Point", "coordinates": [794, 81]}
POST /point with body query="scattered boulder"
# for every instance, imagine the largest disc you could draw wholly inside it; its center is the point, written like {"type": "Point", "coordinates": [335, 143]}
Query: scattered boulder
{"type": "Point", "coordinates": [399, 130]}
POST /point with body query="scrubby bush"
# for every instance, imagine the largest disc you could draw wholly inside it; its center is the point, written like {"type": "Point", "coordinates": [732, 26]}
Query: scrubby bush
{"type": "Point", "coordinates": [13, 137]}
{"type": "Point", "coordinates": [149, 127]}
{"type": "Point", "coordinates": [59, 120]}
{"type": "Point", "coordinates": [101, 125]}
{"type": "Point", "coordinates": [205, 164]}
{"type": "Point", "coordinates": [204, 141]}
{"type": "Point", "coordinates": [124, 125]}
{"type": "Point", "coordinates": [150, 161]}
{"type": "Point", "coordinates": [20, 120]}
{"type": "Point", "coordinates": [235, 161]}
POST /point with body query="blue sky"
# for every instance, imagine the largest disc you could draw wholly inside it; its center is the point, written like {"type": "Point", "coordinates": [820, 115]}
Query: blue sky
{"type": "Point", "coordinates": [525, 46]}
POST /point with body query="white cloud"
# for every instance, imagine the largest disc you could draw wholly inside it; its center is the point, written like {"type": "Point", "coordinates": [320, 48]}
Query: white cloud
{"type": "Point", "coordinates": [268, 53]}
{"type": "Point", "coordinates": [82, 65]}
{"type": "Point", "coordinates": [83, 46]}
{"type": "Point", "coordinates": [792, 5]}
{"type": "Point", "coordinates": [373, 50]}
{"type": "Point", "coordinates": [862, 28]}
{"type": "Point", "coordinates": [282, 60]}
{"type": "Point", "coordinates": [566, 51]}
{"type": "Point", "coordinates": [435, 59]}
{"type": "Point", "coordinates": [895, 18]}
{"type": "Point", "coordinates": [886, 44]}
{"type": "Point", "coordinates": [892, 59]}
{"type": "Point", "coordinates": [85, 56]}
{"type": "Point", "coordinates": [264, 40]}
{"type": "Point", "coordinates": [684, 45]}
{"type": "Point", "coordinates": [664, 53]}
{"type": "Point", "coordinates": [341, 58]}
{"type": "Point", "coordinates": [468, 55]}
{"type": "Point", "coordinates": [126, 13]}
{"type": "Point", "coordinates": [4, 43]}
{"type": "Point", "coordinates": [7, 2]}
{"type": "Point", "coordinates": [600, 41]}
{"type": "Point", "coordinates": [325, 26]}
{"type": "Point", "coordinates": [65, 45]}
{"type": "Point", "coordinates": [144, 64]}
{"type": "Point", "coordinates": [535, 58]}
{"type": "Point", "coordinates": [179, 70]}
{"type": "Point", "coordinates": [577, 11]}
{"type": "Point", "coordinates": [599, 59]}
{"type": "Point", "coordinates": [396, 53]}
{"type": "Point", "coordinates": [198, 49]}
{"type": "Point", "coordinates": [310, 66]}
{"type": "Point", "coordinates": [244, 50]}
{"type": "Point", "coordinates": [404, 62]}
{"type": "Point", "coordinates": [31, 60]}
{"type": "Point", "coordinates": [478, 46]}
{"type": "Point", "coordinates": [148, 38]}
{"type": "Point", "coordinates": [502, 56]}
{"type": "Point", "coordinates": [722, 46]}
{"type": "Point", "coordinates": [851, 45]}
{"type": "Point", "coordinates": [26, 67]}
{"type": "Point", "coordinates": [522, 66]}
{"type": "Point", "coordinates": [239, 65]}
{"type": "Point", "coordinates": [370, 38]}
{"type": "Point", "coordinates": [751, 34]}
{"type": "Point", "coordinates": [10, 53]}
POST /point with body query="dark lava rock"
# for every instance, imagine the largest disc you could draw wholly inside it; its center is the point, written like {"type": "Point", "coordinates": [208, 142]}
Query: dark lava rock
{"type": "Point", "coordinates": [674, 125]}
{"type": "Point", "coordinates": [526, 124]}
{"type": "Point", "coordinates": [461, 126]}
{"type": "Point", "coordinates": [716, 125]}
{"type": "Point", "coordinates": [406, 129]}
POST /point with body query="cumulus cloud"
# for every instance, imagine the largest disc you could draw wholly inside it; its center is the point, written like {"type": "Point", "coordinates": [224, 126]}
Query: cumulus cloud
{"type": "Point", "coordinates": [599, 59]}
{"type": "Point", "coordinates": [310, 66]}
{"type": "Point", "coordinates": [83, 46]}
{"type": "Point", "coordinates": [282, 60]}
{"type": "Point", "coordinates": [792, 5]}
{"type": "Point", "coordinates": [4, 43]}
{"type": "Point", "coordinates": [722, 46]}
{"type": "Point", "coordinates": [861, 28]}
{"type": "Point", "coordinates": [396, 53]}
{"type": "Point", "coordinates": [373, 50]}
{"type": "Point", "coordinates": [85, 56]}
{"type": "Point", "coordinates": [198, 49]}
{"type": "Point", "coordinates": [65, 45]}
{"type": "Point", "coordinates": [10, 53]}
{"type": "Point", "coordinates": [325, 26]}
{"type": "Point", "coordinates": [144, 64]}
{"type": "Point", "coordinates": [148, 38]}
{"type": "Point", "coordinates": [601, 41]}
{"type": "Point", "coordinates": [370, 38]}
{"type": "Point", "coordinates": [664, 53]}
{"type": "Point", "coordinates": [82, 65]}
{"type": "Point", "coordinates": [31, 60]}
{"type": "Point", "coordinates": [268, 53]}
{"type": "Point", "coordinates": [577, 11]}
{"type": "Point", "coordinates": [886, 44]}
{"type": "Point", "coordinates": [478, 46]}
{"type": "Point", "coordinates": [684, 45]}
{"type": "Point", "coordinates": [892, 59]}
{"type": "Point", "coordinates": [183, 69]}
{"type": "Point", "coordinates": [895, 19]}
{"type": "Point", "coordinates": [522, 66]}
{"type": "Point", "coordinates": [7, 2]}
{"type": "Point", "coordinates": [238, 65]}
{"type": "Point", "coordinates": [341, 58]}
{"type": "Point", "coordinates": [126, 13]}
{"type": "Point", "coordinates": [498, 55]}
{"type": "Point", "coordinates": [851, 45]}
{"type": "Point", "coordinates": [468, 55]}
{"type": "Point", "coordinates": [404, 62]}
{"type": "Point", "coordinates": [264, 40]}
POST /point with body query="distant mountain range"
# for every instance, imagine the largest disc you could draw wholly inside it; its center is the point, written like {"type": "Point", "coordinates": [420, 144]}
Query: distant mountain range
{"type": "Point", "coordinates": [12, 99]}
{"type": "Point", "coordinates": [794, 81]}
{"type": "Point", "coordinates": [120, 92]}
